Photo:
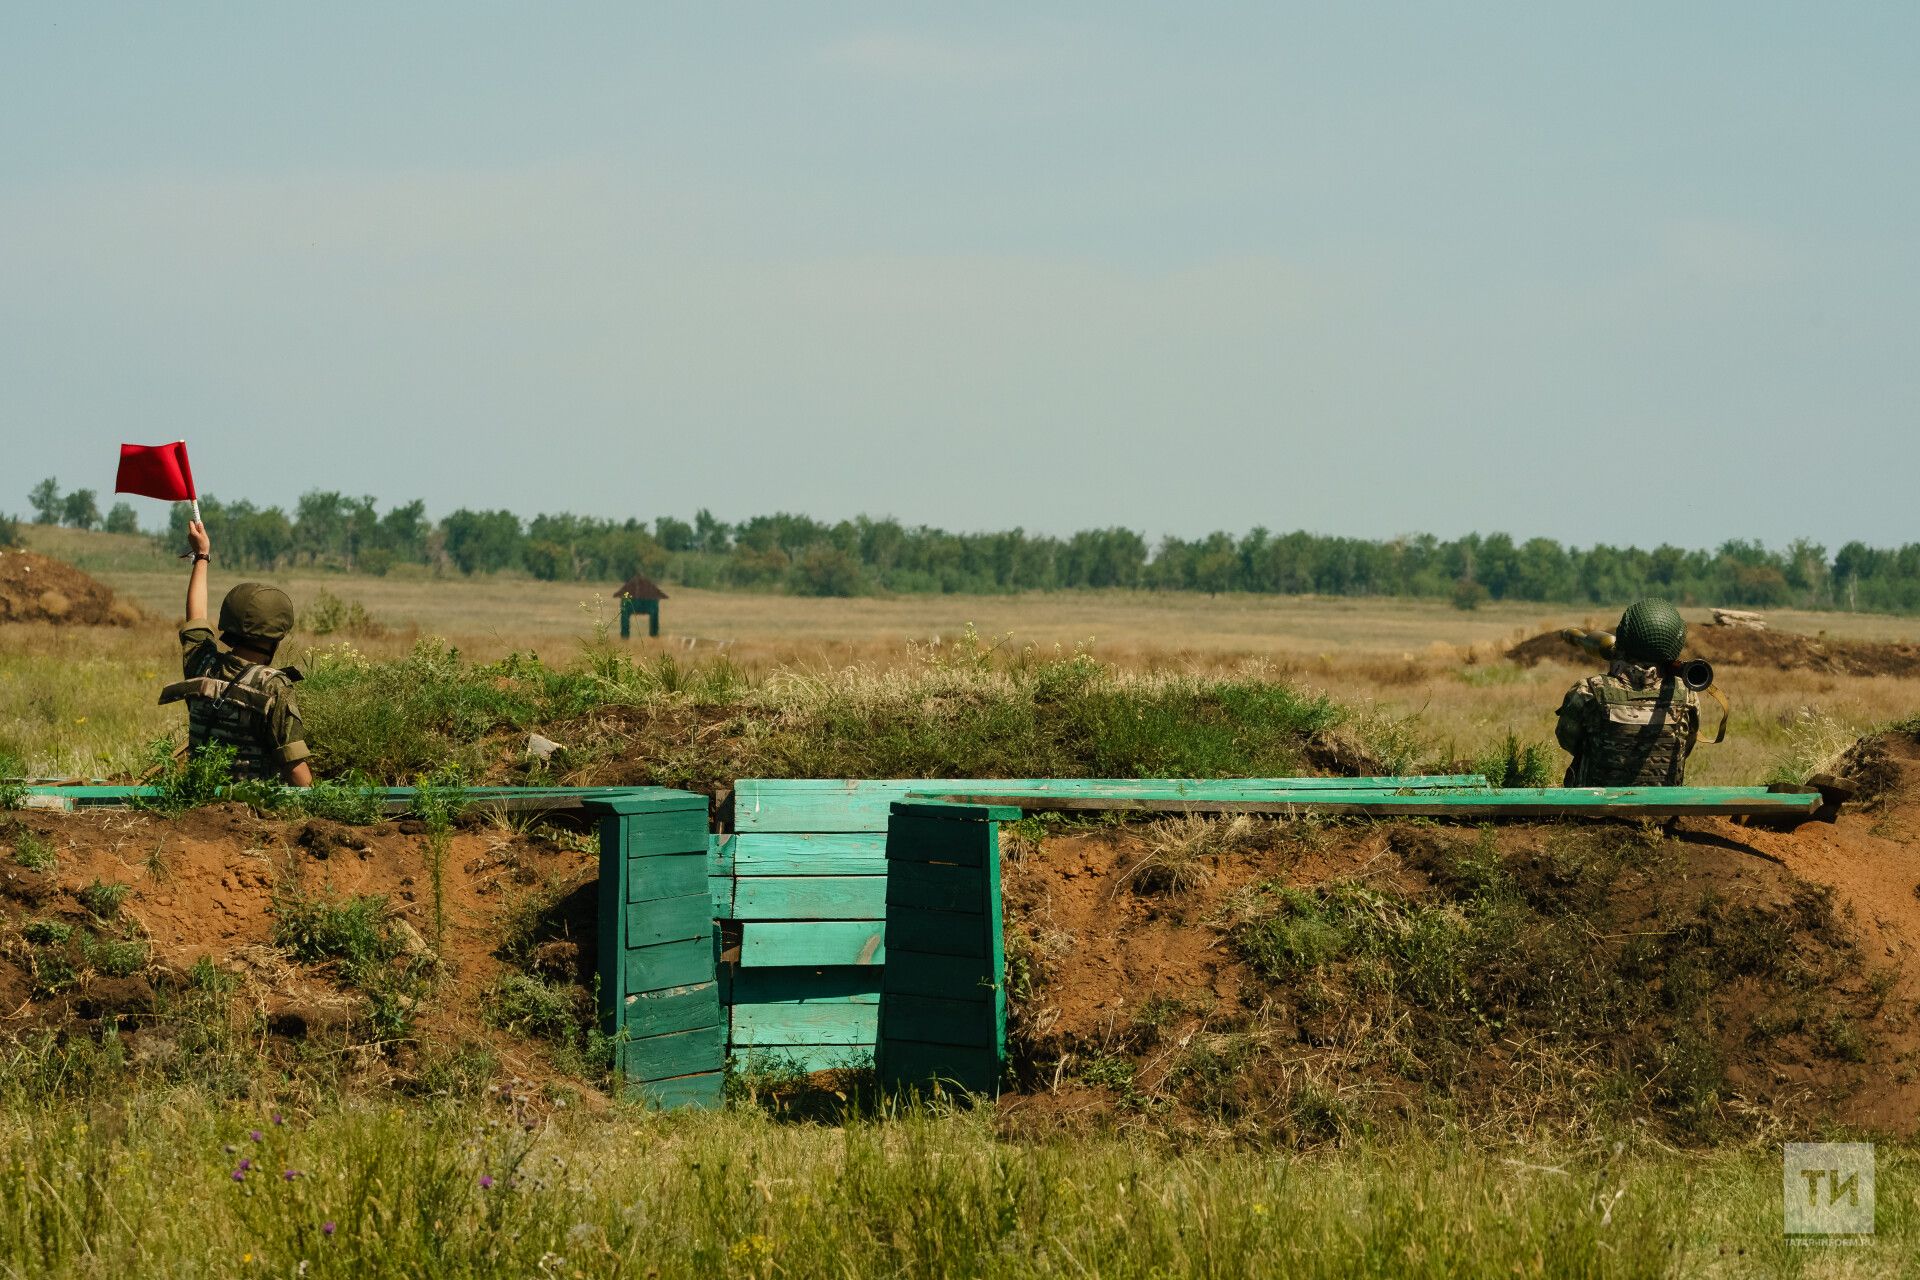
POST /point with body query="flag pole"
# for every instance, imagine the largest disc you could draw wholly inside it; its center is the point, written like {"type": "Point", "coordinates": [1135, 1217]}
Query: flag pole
{"type": "Point", "coordinates": [195, 499]}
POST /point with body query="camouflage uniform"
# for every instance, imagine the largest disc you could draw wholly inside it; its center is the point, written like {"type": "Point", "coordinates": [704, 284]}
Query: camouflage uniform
{"type": "Point", "coordinates": [1632, 727]}
{"type": "Point", "coordinates": [235, 703]}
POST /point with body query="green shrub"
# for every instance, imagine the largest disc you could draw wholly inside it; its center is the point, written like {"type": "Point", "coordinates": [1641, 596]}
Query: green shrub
{"type": "Point", "coordinates": [33, 851]}
{"type": "Point", "coordinates": [47, 933]}
{"type": "Point", "coordinates": [13, 781]}
{"type": "Point", "coordinates": [527, 1006]}
{"type": "Point", "coordinates": [114, 957]}
{"type": "Point", "coordinates": [104, 900]}
{"type": "Point", "coordinates": [353, 798]}
{"type": "Point", "coordinates": [184, 782]}
{"type": "Point", "coordinates": [1514, 765]}
{"type": "Point", "coordinates": [354, 932]}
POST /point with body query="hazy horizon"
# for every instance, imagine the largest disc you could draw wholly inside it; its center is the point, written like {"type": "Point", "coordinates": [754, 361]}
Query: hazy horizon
{"type": "Point", "coordinates": [1640, 276]}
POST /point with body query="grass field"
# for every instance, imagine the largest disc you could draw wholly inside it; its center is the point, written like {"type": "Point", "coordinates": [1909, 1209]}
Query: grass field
{"type": "Point", "coordinates": [175, 1186]}
{"type": "Point", "coordinates": [81, 701]}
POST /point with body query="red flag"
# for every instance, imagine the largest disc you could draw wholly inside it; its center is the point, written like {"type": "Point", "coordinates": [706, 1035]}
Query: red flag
{"type": "Point", "coordinates": [156, 471]}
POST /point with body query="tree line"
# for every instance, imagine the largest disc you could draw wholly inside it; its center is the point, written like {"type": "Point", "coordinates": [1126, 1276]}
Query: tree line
{"type": "Point", "coordinates": [864, 555]}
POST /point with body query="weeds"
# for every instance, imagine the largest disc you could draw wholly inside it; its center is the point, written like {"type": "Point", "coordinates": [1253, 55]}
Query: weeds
{"type": "Point", "coordinates": [13, 781]}
{"type": "Point", "coordinates": [1815, 744]}
{"type": "Point", "coordinates": [47, 933]}
{"type": "Point", "coordinates": [33, 850]}
{"type": "Point", "coordinates": [356, 934]}
{"type": "Point", "coordinates": [104, 900]}
{"type": "Point", "coordinates": [330, 615]}
{"type": "Point", "coordinates": [186, 781]}
{"type": "Point", "coordinates": [1517, 765]}
{"type": "Point", "coordinates": [1179, 850]}
{"type": "Point", "coordinates": [437, 801]}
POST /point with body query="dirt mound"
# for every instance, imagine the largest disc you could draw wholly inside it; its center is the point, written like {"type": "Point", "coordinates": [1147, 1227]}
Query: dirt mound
{"type": "Point", "coordinates": [37, 588]}
{"type": "Point", "coordinates": [1745, 647]}
{"type": "Point", "coordinates": [1300, 981]}
{"type": "Point", "coordinates": [117, 922]}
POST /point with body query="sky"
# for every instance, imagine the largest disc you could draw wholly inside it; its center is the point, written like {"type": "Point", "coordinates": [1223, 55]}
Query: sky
{"type": "Point", "coordinates": [1633, 273]}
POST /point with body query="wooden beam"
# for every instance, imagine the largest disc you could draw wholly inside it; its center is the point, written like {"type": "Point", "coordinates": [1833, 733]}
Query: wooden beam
{"type": "Point", "coordinates": [827, 805]}
{"type": "Point", "coordinates": [1529, 802]}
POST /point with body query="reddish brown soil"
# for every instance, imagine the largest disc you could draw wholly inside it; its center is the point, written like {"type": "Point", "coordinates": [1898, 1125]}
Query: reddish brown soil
{"type": "Point", "coordinates": [1744, 647]}
{"type": "Point", "coordinates": [36, 588]}
{"type": "Point", "coordinates": [1100, 951]}
{"type": "Point", "coordinates": [204, 885]}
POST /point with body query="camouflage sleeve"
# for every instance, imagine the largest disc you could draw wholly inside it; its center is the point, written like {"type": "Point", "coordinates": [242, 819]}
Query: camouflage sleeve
{"type": "Point", "coordinates": [286, 733]}
{"type": "Point", "coordinates": [198, 648]}
{"type": "Point", "coordinates": [1570, 726]}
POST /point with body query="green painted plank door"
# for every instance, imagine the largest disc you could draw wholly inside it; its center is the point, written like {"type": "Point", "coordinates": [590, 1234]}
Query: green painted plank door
{"type": "Point", "coordinates": [659, 984]}
{"type": "Point", "coordinates": [942, 992]}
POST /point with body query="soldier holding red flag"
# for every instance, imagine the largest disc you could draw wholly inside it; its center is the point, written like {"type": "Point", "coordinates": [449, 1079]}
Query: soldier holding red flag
{"type": "Point", "coordinates": [235, 697]}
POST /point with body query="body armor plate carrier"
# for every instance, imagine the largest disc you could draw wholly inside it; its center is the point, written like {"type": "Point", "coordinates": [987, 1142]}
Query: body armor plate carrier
{"type": "Point", "coordinates": [231, 713]}
{"type": "Point", "coordinates": [1637, 735]}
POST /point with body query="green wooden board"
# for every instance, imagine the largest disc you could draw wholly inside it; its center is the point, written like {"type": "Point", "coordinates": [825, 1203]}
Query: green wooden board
{"type": "Point", "coordinates": [1541, 802]}
{"type": "Point", "coordinates": [949, 977]}
{"type": "Point", "coordinates": [930, 1020]}
{"type": "Point", "coordinates": [940, 933]}
{"type": "Point", "coordinates": [908, 1064]}
{"type": "Point", "coordinates": [659, 1013]}
{"type": "Point", "coordinates": [676, 831]}
{"type": "Point", "coordinates": [922, 839]}
{"type": "Point", "coordinates": [810, 943]}
{"type": "Point", "coordinates": [803, 1057]}
{"type": "Point", "coordinates": [706, 1091]}
{"type": "Point", "coordinates": [860, 804]}
{"type": "Point", "coordinates": [933, 887]}
{"type": "Point", "coordinates": [810, 898]}
{"type": "Point", "coordinates": [720, 890]}
{"type": "Point", "coordinates": [684, 1053]}
{"type": "Point", "coordinates": [847, 853]}
{"type": "Point", "coordinates": [671, 964]}
{"type": "Point", "coordinates": [670, 919]}
{"type": "Point", "coordinates": [835, 1022]}
{"type": "Point", "coordinates": [674, 876]}
{"type": "Point", "coordinates": [856, 984]}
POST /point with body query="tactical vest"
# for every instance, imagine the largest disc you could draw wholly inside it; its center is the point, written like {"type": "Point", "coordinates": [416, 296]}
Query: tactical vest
{"type": "Point", "coordinates": [1635, 737]}
{"type": "Point", "coordinates": [230, 713]}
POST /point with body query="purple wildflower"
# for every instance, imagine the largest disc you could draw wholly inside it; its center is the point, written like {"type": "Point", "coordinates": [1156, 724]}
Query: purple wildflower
{"type": "Point", "coordinates": [239, 1175]}
{"type": "Point", "coordinates": [291, 1174]}
{"type": "Point", "coordinates": [277, 1119]}
{"type": "Point", "coordinates": [255, 1135]}
{"type": "Point", "coordinates": [245, 1165]}
{"type": "Point", "coordinates": [326, 1228]}
{"type": "Point", "coordinates": [486, 1182]}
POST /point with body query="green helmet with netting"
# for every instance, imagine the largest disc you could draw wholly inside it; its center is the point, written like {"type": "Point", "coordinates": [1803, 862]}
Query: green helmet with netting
{"type": "Point", "coordinates": [1650, 631]}
{"type": "Point", "coordinates": [256, 611]}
